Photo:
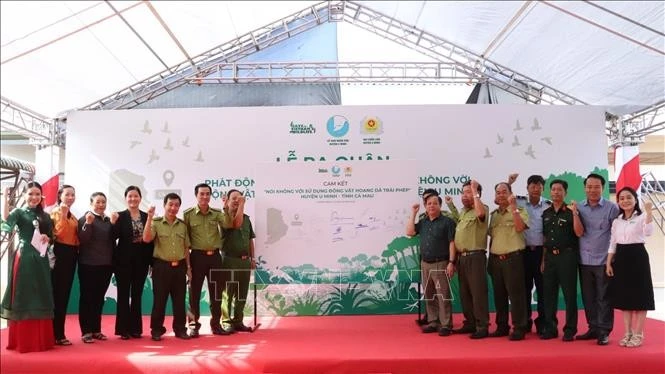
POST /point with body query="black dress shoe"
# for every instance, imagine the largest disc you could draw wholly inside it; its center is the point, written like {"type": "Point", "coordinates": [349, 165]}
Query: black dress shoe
{"type": "Point", "coordinates": [516, 335]}
{"type": "Point", "coordinates": [182, 335]}
{"type": "Point", "coordinates": [603, 339]}
{"type": "Point", "coordinates": [568, 337]}
{"type": "Point", "coordinates": [156, 338]}
{"type": "Point", "coordinates": [194, 334]}
{"type": "Point", "coordinates": [587, 335]}
{"type": "Point", "coordinates": [444, 331]}
{"type": "Point", "coordinates": [124, 336]}
{"type": "Point", "coordinates": [548, 335]}
{"type": "Point", "coordinates": [498, 333]}
{"type": "Point", "coordinates": [480, 334]}
{"type": "Point", "coordinates": [135, 336]}
{"type": "Point", "coordinates": [465, 330]}
{"type": "Point", "coordinates": [430, 329]}
{"type": "Point", "coordinates": [239, 327]}
{"type": "Point", "coordinates": [218, 330]}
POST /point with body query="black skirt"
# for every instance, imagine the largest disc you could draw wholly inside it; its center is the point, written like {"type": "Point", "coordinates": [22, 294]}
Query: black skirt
{"type": "Point", "coordinates": [631, 287]}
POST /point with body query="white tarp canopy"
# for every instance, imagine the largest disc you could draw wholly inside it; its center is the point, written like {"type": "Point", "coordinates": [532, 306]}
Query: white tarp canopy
{"type": "Point", "coordinates": [61, 55]}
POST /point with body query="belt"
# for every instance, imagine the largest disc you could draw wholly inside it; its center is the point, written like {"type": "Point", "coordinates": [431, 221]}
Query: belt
{"type": "Point", "coordinates": [507, 255]}
{"type": "Point", "coordinates": [241, 257]}
{"type": "Point", "coordinates": [471, 253]}
{"type": "Point", "coordinates": [555, 251]}
{"type": "Point", "coordinates": [207, 252]}
{"type": "Point", "coordinates": [173, 264]}
{"type": "Point", "coordinates": [434, 260]}
{"type": "Point", "coordinates": [534, 247]}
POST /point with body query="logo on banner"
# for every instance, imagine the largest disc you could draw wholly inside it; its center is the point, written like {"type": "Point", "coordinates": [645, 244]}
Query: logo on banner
{"type": "Point", "coordinates": [301, 128]}
{"type": "Point", "coordinates": [371, 127]}
{"type": "Point", "coordinates": [347, 171]}
{"type": "Point", "coordinates": [338, 126]}
{"type": "Point", "coordinates": [335, 170]}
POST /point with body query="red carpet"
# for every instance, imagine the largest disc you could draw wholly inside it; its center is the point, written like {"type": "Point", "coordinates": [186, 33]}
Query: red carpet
{"type": "Point", "coordinates": [361, 344]}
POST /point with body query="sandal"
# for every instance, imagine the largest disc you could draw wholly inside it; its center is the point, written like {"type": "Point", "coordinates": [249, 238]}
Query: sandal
{"type": "Point", "coordinates": [626, 338]}
{"type": "Point", "coordinates": [63, 341]}
{"type": "Point", "coordinates": [87, 338]}
{"type": "Point", "coordinates": [99, 336]}
{"type": "Point", "coordinates": [635, 341]}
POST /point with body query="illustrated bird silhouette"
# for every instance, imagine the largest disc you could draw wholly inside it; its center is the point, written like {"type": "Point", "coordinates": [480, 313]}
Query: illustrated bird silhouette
{"type": "Point", "coordinates": [499, 139]}
{"type": "Point", "coordinates": [146, 128]}
{"type": "Point", "coordinates": [133, 144]}
{"type": "Point", "coordinates": [529, 152]}
{"type": "Point", "coordinates": [517, 126]}
{"type": "Point", "coordinates": [200, 157]}
{"type": "Point", "coordinates": [168, 145]}
{"type": "Point", "coordinates": [487, 153]}
{"type": "Point", "coordinates": [547, 140]}
{"type": "Point", "coordinates": [536, 125]}
{"type": "Point", "coordinates": [166, 128]}
{"type": "Point", "coordinates": [516, 142]}
{"type": "Point", "coordinates": [153, 157]}
{"type": "Point", "coordinates": [185, 143]}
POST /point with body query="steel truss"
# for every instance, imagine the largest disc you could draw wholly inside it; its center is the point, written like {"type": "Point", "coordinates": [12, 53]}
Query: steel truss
{"type": "Point", "coordinates": [634, 127]}
{"type": "Point", "coordinates": [32, 125]}
{"type": "Point", "coordinates": [345, 72]}
{"type": "Point", "coordinates": [454, 64]}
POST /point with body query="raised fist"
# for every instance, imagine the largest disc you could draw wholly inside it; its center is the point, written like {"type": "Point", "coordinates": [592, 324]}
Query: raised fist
{"type": "Point", "coordinates": [151, 211]}
{"type": "Point", "coordinates": [89, 218]}
{"type": "Point", "coordinates": [648, 205]}
{"type": "Point", "coordinates": [64, 209]}
{"type": "Point", "coordinates": [448, 199]}
{"type": "Point", "coordinates": [415, 208]}
{"type": "Point", "coordinates": [474, 185]}
{"type": "Point", "coordinates": [512, 178]}
{"type": "Point", "coordinates": [114, 217]}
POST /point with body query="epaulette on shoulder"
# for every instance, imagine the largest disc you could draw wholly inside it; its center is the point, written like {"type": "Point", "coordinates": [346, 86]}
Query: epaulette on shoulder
{"type": "Point", "coordinates": [548, 202]}
{"type": "Point", "coordinates": [191, 209]}
{"type": "Point", "coordinates": [216, 210]}
{"type": "Point", "coordinates": [157, 219]}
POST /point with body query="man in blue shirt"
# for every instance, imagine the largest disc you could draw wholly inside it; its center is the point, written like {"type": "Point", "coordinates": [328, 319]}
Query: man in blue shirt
{"type": "Point", "coordinates": [535, 205]}
{"type": "Point", "coordinates": [597, 215]}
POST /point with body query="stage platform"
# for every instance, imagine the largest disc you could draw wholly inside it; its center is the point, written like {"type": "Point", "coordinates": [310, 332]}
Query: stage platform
{"type": "Point", "coordinates": [340, 344]}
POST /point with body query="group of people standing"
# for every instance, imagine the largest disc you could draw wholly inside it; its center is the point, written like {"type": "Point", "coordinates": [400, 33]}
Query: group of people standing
{"type": "Point", "coordinates": [211, 243]}
{"type": "Point", "coordinates": [541, 243]}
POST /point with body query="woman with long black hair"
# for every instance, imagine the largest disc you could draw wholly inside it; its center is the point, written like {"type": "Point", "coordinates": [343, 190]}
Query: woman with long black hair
{"type": "Point", "coordinates": [28, 299]}
{"type": "Point", "coordinates": [65, 248]}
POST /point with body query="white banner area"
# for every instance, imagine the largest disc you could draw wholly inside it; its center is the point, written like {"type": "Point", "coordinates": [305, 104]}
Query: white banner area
{"type": "Point", "coordinates": [402, 148]}
{"type": "Point", "coordinates": [320, 215]}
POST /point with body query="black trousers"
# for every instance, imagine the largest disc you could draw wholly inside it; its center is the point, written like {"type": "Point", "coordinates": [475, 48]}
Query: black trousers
{"type": "Point", "coordinates": [130, 280]}
{"type": "Point", "coordinates": [532, 276]}
{"type": "Point", "coordinates": [206, 267]}
{"type": "Point", "coordinates": [594, 283]}
{"type": "Point", "coordinates": [94, 281]}
{"type": "Point", "coordinates": [507, 273]}
{"type": "Point", "coordinates": [62, 277]}
{"type": "Point", "coordinates": [168, 281]}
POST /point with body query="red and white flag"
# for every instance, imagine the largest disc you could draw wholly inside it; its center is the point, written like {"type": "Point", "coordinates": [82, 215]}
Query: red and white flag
{"type": "Point", "coordinates": [627, 167]}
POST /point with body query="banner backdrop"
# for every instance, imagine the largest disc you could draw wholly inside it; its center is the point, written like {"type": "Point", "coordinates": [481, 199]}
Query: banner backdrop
{"type": "Point", "coordinates": [409, 148]}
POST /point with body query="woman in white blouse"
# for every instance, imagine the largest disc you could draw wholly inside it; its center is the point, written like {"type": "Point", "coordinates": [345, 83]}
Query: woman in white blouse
{"type": "Point", "coordinates": [631, 289]}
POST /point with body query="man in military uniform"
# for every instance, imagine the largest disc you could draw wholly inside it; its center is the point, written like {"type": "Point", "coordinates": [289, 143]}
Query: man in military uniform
{"type": "Point", "coordinates": [562, 227]}
{"type": "Point", "coordinates": [203, 224]}
{"type": "Point", "coordinates": [535, 205]}
{"type": "Point", "coordinates": [238, 261]}
{"type": "Point", "coordinates": [437, 250]}
{"type": "Point", "coordinates": [471, 246]}
{"type": "Point", "coordinates": [170, 266]}
{"type": "Point", "coordinates": [506, 266]}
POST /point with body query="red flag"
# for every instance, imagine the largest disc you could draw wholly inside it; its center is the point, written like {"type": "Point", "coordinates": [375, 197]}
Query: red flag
{"type": "Point", "coordinates": [50, 191]}
{"type": "Point", "coordinates": [627, 167]}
